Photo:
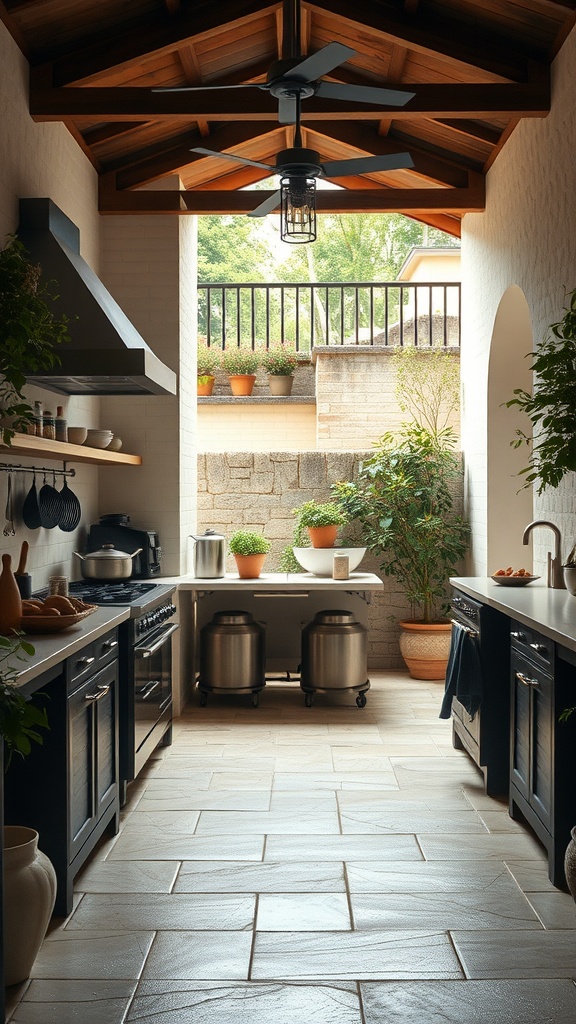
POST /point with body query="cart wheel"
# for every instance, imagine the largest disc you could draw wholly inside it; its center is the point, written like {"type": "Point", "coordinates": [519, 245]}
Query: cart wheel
{"type": "Point", "coordinates": [254, 700]}
{"type": "Point", "coordinates": [203, 699]}
{"type": "Point", "coordinates": [308, 700]}
{"type": "Point", "coordinates": [361, 700]}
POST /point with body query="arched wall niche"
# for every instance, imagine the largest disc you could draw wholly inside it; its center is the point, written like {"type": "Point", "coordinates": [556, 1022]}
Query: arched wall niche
{"type": "Point", "coordinates": [509, 508]}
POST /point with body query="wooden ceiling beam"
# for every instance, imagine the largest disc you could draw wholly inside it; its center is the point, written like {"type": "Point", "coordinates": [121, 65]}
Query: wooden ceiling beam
{"type": "Point", "coordinates": [465, 100]}
{"type": "Point", "coordinates": [410, 201]}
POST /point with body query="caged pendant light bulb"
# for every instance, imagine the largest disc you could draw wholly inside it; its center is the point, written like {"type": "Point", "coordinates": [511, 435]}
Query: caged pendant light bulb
{"type": "Point", "coordinates": [298, 209]}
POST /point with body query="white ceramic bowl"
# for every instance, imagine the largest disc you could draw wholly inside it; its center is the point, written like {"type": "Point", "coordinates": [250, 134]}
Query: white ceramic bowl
{"type": "Point", "coordinates": [115, 444]}
{"type": "Point", "coordinates": [77, 435]}
{"type": "Point", "coordinates": [319, 560]}
{"type": "Point", "coordinates": [98, 438]}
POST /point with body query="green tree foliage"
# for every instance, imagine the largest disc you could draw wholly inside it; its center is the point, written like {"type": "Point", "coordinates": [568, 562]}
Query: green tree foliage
{"type": "Point", "coordinates": [231, 249]}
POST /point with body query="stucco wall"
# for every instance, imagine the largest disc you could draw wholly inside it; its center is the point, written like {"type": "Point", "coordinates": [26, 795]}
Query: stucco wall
{"type": "Point", "coordinates": [526, 238]}
{"type": "Point", "coordinates": [38, 160]}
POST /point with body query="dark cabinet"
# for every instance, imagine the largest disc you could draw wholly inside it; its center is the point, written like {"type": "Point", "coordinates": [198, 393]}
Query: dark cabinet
{"type": "Point", "coordinates": [68, 789]}
{"type": "Point", "coordinates": [542, 761]}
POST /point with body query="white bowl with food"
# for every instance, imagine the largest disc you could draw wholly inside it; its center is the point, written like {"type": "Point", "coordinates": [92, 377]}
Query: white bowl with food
{"type": "Point", "coordinates": [319, 561]}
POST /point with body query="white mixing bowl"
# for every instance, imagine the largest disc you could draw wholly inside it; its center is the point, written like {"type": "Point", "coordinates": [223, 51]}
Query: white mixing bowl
{"type": "Point", "coordinates": [319, 560]}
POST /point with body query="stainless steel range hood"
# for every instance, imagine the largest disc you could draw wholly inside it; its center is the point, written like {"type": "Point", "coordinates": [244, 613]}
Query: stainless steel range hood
{"type": "Point", "coordinates": [107, 355]}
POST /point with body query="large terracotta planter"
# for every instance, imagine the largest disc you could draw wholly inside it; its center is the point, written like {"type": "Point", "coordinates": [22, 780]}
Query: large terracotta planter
{"type": "Point", "coordinates": [205, 385]}
{"type": "Point", "coordinates": [242, 383]}
{"type": "Point", "coordinates": [322, 536]}
{"type": "Point", "coordinates": [279, 384]}
{"type": "Point", "coordinates": [425, 647]}
{"type": "Point", "coordinates": [29, 896]}
{"type": "Point", "coordinates": [249, 566]}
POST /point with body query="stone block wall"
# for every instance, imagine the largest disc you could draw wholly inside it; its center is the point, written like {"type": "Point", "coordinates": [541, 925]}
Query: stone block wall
{"type": "Point", "coordinates": [257, 491]}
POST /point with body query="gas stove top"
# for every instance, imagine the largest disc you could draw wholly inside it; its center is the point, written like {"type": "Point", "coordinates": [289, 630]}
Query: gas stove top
{"type": "Point", "coordinates": [114, 593]}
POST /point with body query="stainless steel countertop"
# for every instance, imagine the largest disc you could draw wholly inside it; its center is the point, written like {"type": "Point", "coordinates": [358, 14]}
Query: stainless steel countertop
{"type": "Point", "coordinates": [552, 612]}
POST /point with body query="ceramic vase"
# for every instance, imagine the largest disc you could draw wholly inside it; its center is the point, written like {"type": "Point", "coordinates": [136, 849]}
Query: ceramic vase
{"type": "Point", "coordinates": [570, 864]}
{"type": "Point", "coordinates": [29, 896]}
{"type": "Point", "coordinates": [10, 600]}
{"type": "Point", "coordinates": [425, 647]}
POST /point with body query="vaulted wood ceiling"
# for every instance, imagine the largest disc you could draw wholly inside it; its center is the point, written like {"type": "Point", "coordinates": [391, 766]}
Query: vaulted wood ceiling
{"type": "Point", "coordinates": [476, 67]}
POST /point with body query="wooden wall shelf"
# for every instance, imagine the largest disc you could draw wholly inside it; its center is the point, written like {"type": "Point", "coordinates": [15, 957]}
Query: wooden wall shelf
{"type": "Point", "coordinates": [41, 447]}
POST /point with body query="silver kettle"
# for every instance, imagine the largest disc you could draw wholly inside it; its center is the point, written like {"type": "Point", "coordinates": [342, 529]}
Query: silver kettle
{"type": "Point", "coordinates": [209, 555]}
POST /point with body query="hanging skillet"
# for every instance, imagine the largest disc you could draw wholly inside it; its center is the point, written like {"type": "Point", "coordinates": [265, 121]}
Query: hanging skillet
{"type": "Point", "coordinates": [30, 510]}
{"type": "Point", "coordinates": [71, 511]}
{"type": "Point", "coordinates": [49, 504]}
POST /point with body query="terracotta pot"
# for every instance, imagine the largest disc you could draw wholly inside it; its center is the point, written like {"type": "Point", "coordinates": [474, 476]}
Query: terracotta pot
{"type": "Point", "coordinates": [242, 383]}
{"type": "Point", "coordinates": [29, 895]}
{"type": "Point", "coordinates": [322, 536]}
{"type": "Point", "coordinates": [249, 566]}
{"type": "Point", "coordinates": [205, 388]}
{"type": "Point", "coordinates": [425, 647]}
{"type": "Point", "coordinates": [279, 384]}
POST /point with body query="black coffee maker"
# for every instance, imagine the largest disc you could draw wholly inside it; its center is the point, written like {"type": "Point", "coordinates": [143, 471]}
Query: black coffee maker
{"type": "Point", "coordinates": [115, 529]}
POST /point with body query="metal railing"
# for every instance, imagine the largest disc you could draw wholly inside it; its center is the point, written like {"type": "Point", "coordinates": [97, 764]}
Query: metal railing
{"type": "Point", "coordinates": [423, 314]}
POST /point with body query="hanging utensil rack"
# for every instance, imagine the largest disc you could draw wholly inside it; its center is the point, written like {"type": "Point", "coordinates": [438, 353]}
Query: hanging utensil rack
{"type": "Point", "coordinates": [7, 467]}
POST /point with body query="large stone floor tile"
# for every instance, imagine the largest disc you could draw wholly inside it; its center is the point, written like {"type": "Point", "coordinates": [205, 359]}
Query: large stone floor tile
{"type": "Point", "coordinates": [175, 1002]}
{"type": "Point", "coordinates": [324, 847]}
{"type": "Point", "coordinates": [291, 912]}
{"type": "Point", "coordinates": [531, 954]}
{"type": "Point", "coordinates": [193, 912]}
{"type": "Point", "coordinates": [555, 909]}
{"type": "Point", "coordinates": [530, 875]}
{"type": "Point", "coordinates": [242, 780]}
{"type": "Point", "coordinates": [134, 876]}
{"type": "Point", "coordinates": [305, 821]}
{"type": "Point", "coordinates": [156, 845]}
{"type": "Point", "coordinates": [344, 780]}
{"type": "Point", "coordinates": [495, 845]}
{"type": "Point", "coordinates": [71, 1002]}
{"type": "Point", "coordinates": [167, 796]}
{"type": "Point", "coordinates": [163, 822]}
{"type": "Point", "coordinates": [399, 801]}
{"type": "Point", "coordinates": [354, 955]}
{"type": "Point", "coordinates": [470, 1002]}
{"type": "Point", "coordinates": [389, 821]}
{"type": "Point", "coordinates": [430, 877]}
{"type": "Point", "coordinates": [185, 767]}
{"type": "Point", "coordinates": [443, 911]}
{"type": "Point", "coordinates": [202, 955]}
{"type": "Point", "coordinates": [99, 955]}
{"type": "Point", "coordinates": [238, 877]}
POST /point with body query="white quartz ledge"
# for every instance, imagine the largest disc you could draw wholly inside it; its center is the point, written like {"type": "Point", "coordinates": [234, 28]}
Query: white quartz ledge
{"type": "Point", "coordinates": [279, 582]}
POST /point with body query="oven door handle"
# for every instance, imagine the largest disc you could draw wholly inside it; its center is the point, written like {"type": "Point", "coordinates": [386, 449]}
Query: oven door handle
{"type": "Point", "coordinates": [471, 632]}
{"type": "Point", "coordinates": [147, 650]}
{"type": "Point", "coordinates": [146, 691]}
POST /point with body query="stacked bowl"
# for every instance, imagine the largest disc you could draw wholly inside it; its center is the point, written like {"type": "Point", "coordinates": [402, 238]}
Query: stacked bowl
{"type": "Point", "coordinates": [98, 438]}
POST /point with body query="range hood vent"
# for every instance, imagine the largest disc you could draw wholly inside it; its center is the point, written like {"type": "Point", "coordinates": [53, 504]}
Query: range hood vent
{"type": "Point", "coordinates": [106, 354]}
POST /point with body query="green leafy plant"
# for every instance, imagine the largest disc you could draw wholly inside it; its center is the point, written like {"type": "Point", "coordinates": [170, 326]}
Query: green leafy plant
{"type": "Point", "coordinates": [427, 385]}
{"type": "Point", "coordinates": [239, 361]}
{"type": "Point", "coordinates": [247, 542]}
{"type": "Point", "coordinates": [209, 360]}
{"type": "Point", "coordinates": [403, 501]}
{"type": "Point", "coordinates": [20, 719]}
{"type": "Point", "coordinates": [280, 361]}
{"type": "Point", "coordinates": [552, 406]}
{"type": "Point", "coordinates": [29, 331]}
{"type": "Point", "coordinates": [317, 513]}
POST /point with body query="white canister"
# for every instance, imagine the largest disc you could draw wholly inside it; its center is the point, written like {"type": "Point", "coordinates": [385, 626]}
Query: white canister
{"type": "Point", "coordinates": [340, 567]}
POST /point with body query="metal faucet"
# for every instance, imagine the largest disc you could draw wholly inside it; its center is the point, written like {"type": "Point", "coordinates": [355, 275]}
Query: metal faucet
{"type": "Point", "coordinates": [555, 578]}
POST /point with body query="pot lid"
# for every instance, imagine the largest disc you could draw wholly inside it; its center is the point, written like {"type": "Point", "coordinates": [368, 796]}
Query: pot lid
{"type": "Point", "coordinates": [208, 535]}
{"type": "Point", "coordinates": [232, 618]}
{"type": "Point", "coordinates": [108, 553]}
{"type": "Point", "coordinates": [330, 617]}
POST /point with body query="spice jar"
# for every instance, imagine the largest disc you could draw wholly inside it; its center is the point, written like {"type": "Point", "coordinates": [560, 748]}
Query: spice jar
{"type": "Point", "coordinates": [58, 585]}
{"type": "Point", "coordinates": [49, 427]}
{"type": "Point", "coordinates": [340, 567]}
{"type": "Point", "coordinates": [38, 419]}
{"type": "Point", "coordinates": [61, 425]}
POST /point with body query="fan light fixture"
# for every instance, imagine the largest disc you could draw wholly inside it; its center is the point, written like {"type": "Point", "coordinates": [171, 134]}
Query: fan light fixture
{"type": "Point", "coordinates": [298, 209]}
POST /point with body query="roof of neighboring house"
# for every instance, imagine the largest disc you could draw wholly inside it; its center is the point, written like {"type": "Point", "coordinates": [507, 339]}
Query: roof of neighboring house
{"type": "Point", "coordinates": [423, 252]}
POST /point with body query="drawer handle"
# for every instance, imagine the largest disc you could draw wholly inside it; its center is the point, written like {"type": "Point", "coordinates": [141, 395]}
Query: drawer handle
{"type": "Point", "coordinates": [82, 662]}
{"type": "Point", "coordinates": [525, 680]}
{"type": "Point", "coordinates": [516, 635]}
{"type": "Point", "coordinates": [109, 644]}
{"type": "Point", "coordinates": [103, 689]}
{"type": "Point", "coordinates": [467, 629]}
{"type": "Point", "coordinates": [539, 648]}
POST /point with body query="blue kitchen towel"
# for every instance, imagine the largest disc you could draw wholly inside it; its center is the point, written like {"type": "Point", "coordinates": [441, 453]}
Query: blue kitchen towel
{"type": "Point", "coordinates": [463, 673]}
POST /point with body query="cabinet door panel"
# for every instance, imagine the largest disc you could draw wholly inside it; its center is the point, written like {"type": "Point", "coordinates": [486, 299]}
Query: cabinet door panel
{"type": "Point", "coordinates": [106, 745]}
{"type": "Point", "coordinates": [542, 750]}
{"type": "Point", "coordinates": [81, 765]}
{"type": "Point", "coordinates": [521, 739]}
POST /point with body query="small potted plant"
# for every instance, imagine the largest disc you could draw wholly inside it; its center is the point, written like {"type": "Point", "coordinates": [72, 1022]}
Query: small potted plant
{"type": "Point", "coordinates": [249, 550]}
{"type": "Point", "coordinates": [280, 363]}
{"type": "Point", "coordinates": [321, 521]}
{"type": "Point", "coordinates": [208, 361]}
{"type": "Point", "coordinates": [241, 364]}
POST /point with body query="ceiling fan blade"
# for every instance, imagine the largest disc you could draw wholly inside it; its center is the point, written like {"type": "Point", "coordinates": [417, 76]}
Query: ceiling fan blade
{"type": "Point", "coordinates": [231, 156]}
{"type": "Point", "coordinates": [328, 58]}
{"type": "Point", "coordinates": [267, 206]}
{"type": "Point", "coordinates": [205, 88]}
{"type": "Point", "coordinates": [287, 110]}
{"type": "Point", "coordinates": [363, 94]}
{"type": "Point", "coordinates": [367, 164]}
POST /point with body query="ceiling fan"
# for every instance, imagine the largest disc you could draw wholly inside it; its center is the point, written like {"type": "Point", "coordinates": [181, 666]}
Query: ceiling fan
{"type": "Point", "coordinates": [298, 77]}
